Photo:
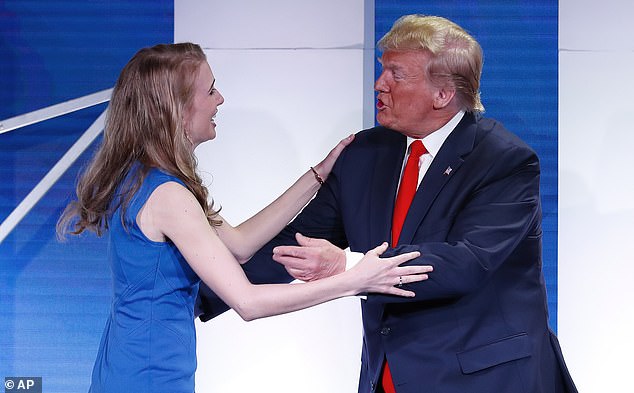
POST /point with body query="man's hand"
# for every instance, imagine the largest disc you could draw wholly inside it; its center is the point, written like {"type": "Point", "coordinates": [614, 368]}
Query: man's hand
{"type": "Point", "coordinates": [312, 259]}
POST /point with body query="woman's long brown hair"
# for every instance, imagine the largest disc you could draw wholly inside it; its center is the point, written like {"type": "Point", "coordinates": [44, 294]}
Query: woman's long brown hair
{"type": "Point", "coordinates": [144, 125]}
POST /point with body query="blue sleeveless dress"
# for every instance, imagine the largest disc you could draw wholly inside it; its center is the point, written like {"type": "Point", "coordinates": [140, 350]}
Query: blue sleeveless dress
{"type": "Point", "coordinates": [149, 342]}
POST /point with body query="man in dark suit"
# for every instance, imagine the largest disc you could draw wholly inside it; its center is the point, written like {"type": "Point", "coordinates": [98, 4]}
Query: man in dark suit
{"type": "Point", "coordinates": [480, 323]}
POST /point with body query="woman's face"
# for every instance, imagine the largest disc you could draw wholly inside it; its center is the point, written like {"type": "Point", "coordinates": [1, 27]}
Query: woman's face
{"type": "Point", "coordinates": [199, 122]}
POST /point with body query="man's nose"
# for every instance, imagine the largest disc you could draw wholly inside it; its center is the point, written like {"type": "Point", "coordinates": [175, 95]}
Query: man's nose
{"type": "Point", "coordinates": [380, 84]}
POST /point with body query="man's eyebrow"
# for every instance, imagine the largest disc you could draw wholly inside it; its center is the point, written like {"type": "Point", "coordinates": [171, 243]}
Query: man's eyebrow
{"type": "Point", "coordinates": [391, 66]}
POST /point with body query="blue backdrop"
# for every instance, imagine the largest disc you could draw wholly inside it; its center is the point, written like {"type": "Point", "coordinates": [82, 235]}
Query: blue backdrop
{"type": "Point", "coordinates": [54, 296]}
{"type": "Point", "coordinates": [519, 84]}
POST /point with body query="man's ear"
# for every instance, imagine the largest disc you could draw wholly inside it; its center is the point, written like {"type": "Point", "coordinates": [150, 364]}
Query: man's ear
{"type": "Point", "coordinates": [443, 97]}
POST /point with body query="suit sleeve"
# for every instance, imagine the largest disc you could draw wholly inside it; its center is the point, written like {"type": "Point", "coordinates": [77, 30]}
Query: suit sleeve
{"type": "Point", "coordinates": [497, 218]}
{"type": "Point", "coordinates": [320, 218]}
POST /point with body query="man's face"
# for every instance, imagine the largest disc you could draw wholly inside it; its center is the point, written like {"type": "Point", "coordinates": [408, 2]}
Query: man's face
{"type": "Point", "coordinates": [405, 94]}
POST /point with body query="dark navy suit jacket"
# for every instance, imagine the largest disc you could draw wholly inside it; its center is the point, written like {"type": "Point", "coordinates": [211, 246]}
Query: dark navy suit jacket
{"type": "Point", "coordinates": [480, 323]}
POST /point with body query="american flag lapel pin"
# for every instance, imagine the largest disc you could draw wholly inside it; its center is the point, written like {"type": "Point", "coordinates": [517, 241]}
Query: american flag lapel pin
{"type": "Point", "coordinates": [447, 171]}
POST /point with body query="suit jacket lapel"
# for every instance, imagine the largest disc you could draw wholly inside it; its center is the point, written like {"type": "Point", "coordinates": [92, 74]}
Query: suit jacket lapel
{"type": "Point", "coordinates": [445, 165]}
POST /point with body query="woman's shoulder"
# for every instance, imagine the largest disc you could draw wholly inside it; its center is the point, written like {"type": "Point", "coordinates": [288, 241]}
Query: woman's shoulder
{"type": "Point", "coordinates": [167, 187]}
{"type": "Point", "coordinates": [153, 179]}
{"type": "Point", "coordinates": [173, 208]}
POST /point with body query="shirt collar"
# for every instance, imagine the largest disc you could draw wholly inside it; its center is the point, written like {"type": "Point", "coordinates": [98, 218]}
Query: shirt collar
{"type": "Point", "coordinates": [433, 142]}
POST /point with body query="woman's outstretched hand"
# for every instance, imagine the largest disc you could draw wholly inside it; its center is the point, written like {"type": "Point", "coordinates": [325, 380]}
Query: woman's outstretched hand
{"type": "Point", "coordinates": [384, 275]}
{"type": "Point", "coordinates": [325, 166]}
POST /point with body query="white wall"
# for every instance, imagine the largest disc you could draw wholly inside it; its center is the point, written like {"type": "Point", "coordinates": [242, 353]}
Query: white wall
{"type": "Point", "coordinates": [292, 74]}
{"type": "Point", "coordinates": [596, 190]}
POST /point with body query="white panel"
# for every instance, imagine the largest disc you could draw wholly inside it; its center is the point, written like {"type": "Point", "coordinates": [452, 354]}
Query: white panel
{"type": "Point", "coordinates": [270, 24]}
{"type": "Point", "coordinates": [596, 190]}
{"type": "Point", "coordinates": [292, 74]}
{"type": "Point", "coordinates": [283, 112]}
{"type": "Point", "coordinates": [311, 351]}
{"type": "Point", "coordinates": [596, 25]}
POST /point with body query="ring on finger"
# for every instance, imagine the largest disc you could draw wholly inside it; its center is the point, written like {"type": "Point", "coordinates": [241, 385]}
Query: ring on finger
{"type": "Point", "coordinates": [400, 281]}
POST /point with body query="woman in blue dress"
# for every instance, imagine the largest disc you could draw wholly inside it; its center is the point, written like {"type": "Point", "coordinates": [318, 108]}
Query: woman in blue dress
{"type": "Point", "coordinates": [142, 189]}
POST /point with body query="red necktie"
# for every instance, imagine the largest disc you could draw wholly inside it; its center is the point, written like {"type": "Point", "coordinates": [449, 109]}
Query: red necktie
{"type": "Point", "coordinates": [406, 191]}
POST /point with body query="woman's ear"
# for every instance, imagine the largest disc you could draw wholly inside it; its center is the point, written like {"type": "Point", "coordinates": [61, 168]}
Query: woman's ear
{"type": "Point", "coordinates": [186, 127]}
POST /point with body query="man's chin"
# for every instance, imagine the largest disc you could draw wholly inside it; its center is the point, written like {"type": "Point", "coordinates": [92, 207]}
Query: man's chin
{"type": "Point", "coordinates": [381, 119]}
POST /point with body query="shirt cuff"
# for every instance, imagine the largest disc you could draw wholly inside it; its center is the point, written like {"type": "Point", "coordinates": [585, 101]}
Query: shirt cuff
{"type": "Point", "coordinates": [352, 258]}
